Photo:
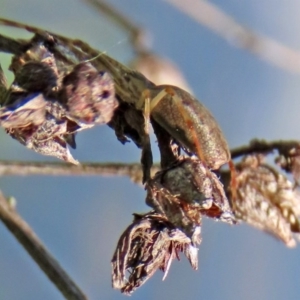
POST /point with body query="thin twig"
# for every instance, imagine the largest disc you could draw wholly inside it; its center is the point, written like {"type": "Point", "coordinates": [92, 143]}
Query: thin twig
{"type": "Point", "coordinates": [3, 85]}
{"type": "Point", "coordinates": [133, 170]}
{"type": "Point", "coordinates": [138, 35]}
{"type": "Point", "coordinates": [25, 235]}
{"type": "Point", "coordinates": [157, 69]}
{"type": "Point", "coordinates": [262, 146]}
{"type": "Point", "coordinates": [218, 21]}
{"type": "Point", "coordinates": [10, 45]}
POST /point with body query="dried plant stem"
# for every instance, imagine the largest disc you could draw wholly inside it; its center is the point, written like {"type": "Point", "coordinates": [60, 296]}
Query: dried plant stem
{"type": "Point", "coordinates": [28, 239]}
{"type": "Point", "coordinates": [218, 21]}
{"type": "Point", "coordinates": [133, 170]}
{"type": "Point", "coordinates": [138, 36]}
{"type": "Point", "coordinates": [262, 146]}
{"type": "Point", "coordinates": [10, 45]}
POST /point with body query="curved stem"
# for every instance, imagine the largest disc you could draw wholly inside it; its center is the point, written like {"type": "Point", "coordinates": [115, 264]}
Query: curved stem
{"type": "Point", "coordinates": [28, 239]}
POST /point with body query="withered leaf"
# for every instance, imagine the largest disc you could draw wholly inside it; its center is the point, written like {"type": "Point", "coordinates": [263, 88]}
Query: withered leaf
{"type": "Point", "coordinates": [267, 200]}
{"type": "Point", "coordinates": [42, 129]}
{"type": "Point", "coordinates": [50, 137]}
{"type": "Point", "coordinates": [148, 244]}
{"type": "Point", "coordinates": [55, 146]}
{"type": "Point", "coordinates": [27, 109]}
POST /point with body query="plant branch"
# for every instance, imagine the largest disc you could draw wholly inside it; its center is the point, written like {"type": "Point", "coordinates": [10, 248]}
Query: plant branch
{"type": "Point", "coordinates": [218, 21]}
{"type": "Point", "coordinates": [157, 69]}
{"type": "Point", "coordinates": [262, 146]}
{"type": "Point", "coordinates": [10, 45]}
{"type": "Point", "coordinates": [138, 35]}
{"type": "Point", "coordinates": [28, 239]}
{"type": "Point", "coordinates": [133, 170]}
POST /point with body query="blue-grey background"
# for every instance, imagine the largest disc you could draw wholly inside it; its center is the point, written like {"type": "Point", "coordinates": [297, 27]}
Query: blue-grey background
{"type": "Point", "coordinates": [80, 218]}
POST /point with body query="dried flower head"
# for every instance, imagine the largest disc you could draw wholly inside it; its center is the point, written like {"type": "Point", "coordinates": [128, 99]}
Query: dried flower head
{"type": "Point", "coordinates": [267, 200]}
{"type": "Point", "coordinates": [151, 242]}
{"type": "Point", "coordinates": [48, 103]}
{"type": "Point", "coordinates": [185, 191]}
{"type": "Point", "coordinates": [89, 95]}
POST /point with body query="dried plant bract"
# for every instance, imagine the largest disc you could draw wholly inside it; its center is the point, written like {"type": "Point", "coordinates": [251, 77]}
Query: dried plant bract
{"type": "Point", "coordinates": [267, 200]}
{"type": "Point", "coordinates": [148, 244]}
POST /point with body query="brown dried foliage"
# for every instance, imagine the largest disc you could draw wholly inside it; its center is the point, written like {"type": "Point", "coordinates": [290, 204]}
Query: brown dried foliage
{"type": "Point", "coordinates": [267, 200]}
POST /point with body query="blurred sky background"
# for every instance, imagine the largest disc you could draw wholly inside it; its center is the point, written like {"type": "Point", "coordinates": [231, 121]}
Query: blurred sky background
{"type": "Point", "coordinates": [81, 218]}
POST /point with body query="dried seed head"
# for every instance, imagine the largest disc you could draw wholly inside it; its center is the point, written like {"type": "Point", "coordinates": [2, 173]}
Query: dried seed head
{"type": "Point", "coordinates": [148, 244]}
{"type": "Point", "coordinates": [187, 190]}
{"type": "Point", "coordinates": [267, 200]}
{"type": "Point", "coordinates": [43, 109]}
{"type": "Point", "coordinates": [89, 96]}
{"type": "Point", "coordinates": [50, 138]}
